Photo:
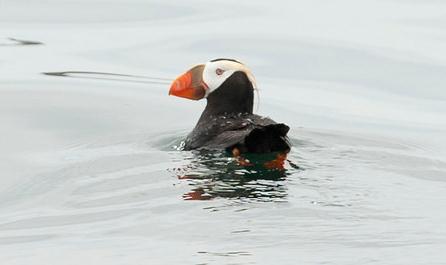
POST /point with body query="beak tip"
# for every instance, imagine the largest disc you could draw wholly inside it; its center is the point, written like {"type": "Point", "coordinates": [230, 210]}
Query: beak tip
{"type": "Point", "coordinates": [172, 89]}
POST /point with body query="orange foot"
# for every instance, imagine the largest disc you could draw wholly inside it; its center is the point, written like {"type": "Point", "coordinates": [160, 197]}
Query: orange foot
{"type": "Point", "coordinates": [278, 163]}
{"type": "Point", "coordinates": [241, 161]}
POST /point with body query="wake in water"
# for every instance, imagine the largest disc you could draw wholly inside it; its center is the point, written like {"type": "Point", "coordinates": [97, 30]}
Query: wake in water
{"type": "Point", "coordinates": [213, 174]}
{"type": "Point", "coordinates": [18, 42]}
{"type": "Point", "coordinates": [110, 77]}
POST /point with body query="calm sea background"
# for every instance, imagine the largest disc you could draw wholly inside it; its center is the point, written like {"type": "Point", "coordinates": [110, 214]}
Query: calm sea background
{"type": "Point", "coordinates": [89, 167]}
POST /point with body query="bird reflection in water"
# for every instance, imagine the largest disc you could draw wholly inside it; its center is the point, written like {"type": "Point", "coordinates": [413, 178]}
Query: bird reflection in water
{"type": "Point", "coordinates": [261, 177]}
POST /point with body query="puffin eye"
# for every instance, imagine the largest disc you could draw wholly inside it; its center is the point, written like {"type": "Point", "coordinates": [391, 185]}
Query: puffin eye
{"type": "Point", "coordinates": [219, 71]}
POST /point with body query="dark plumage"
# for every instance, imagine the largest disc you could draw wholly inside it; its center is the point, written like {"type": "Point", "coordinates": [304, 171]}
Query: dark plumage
{"type": "Point", "coordinates": [228, 122]}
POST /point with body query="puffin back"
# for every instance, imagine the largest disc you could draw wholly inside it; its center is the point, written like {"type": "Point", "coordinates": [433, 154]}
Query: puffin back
{"type": "Point", "coordinates": [250, 133]}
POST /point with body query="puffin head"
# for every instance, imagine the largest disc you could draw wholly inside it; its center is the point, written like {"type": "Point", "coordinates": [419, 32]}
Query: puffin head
{"type": "Point", "coordinates": [203, 79]}
{"type": "Point", "coordinates": [227, 84]}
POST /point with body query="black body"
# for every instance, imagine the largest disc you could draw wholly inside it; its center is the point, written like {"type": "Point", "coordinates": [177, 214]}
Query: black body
{"type": "Point", "coordinates": [228, 122]}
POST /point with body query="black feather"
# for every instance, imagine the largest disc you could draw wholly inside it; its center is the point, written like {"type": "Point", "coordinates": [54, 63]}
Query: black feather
{"type": "Point", "coordinates": [225, 59]}
{"type": "Point", "coordinates": [228, 122]}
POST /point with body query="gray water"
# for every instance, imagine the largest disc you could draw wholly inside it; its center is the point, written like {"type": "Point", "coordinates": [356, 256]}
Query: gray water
{"type": "Point", "coordinates": [90, 167]}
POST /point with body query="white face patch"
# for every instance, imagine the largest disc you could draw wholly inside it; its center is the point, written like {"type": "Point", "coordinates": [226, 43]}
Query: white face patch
{"type": "Point", "coordinates": [215, 73]}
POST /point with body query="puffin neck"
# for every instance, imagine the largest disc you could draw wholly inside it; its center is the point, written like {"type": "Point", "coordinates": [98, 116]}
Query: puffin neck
{"type": "Point", "coordinates": [234, 96]}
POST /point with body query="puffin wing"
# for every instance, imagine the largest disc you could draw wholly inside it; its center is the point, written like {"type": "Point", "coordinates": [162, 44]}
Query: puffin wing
{"type": "Point", "coordinates": [218, 133]}
{"type": "Point", "coordinates": [227, 139]}
{"type": "Point", "coordinates": [250, 133]}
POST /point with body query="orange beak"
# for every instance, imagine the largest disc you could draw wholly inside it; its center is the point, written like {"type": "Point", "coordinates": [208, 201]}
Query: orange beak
{"type": "Point", "coordinates": [190, 84]}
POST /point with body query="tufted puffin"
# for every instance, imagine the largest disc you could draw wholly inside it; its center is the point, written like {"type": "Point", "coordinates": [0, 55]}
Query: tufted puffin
{"type": "Point", "coordinates": [228, 121]}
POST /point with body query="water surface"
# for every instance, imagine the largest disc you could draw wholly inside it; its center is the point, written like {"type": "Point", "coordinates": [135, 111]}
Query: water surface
{"type": "Point", "coordinates": [90, 166]}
